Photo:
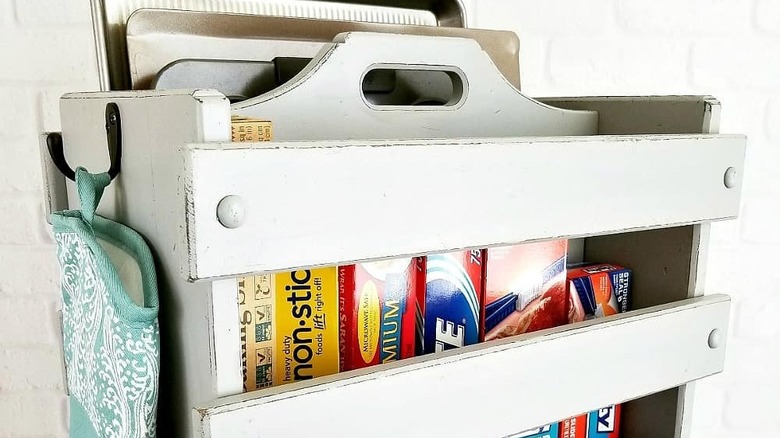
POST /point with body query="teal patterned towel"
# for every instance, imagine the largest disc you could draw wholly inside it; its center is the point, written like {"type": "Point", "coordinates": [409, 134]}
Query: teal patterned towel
{"type": "Point", "coordinates": [112, 344]}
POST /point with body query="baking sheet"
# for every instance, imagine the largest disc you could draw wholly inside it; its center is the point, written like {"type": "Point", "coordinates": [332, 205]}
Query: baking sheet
{"type": "Point", "coordinates": [157, 38]}
{"type": "Point", "coordinates": [110, 17]}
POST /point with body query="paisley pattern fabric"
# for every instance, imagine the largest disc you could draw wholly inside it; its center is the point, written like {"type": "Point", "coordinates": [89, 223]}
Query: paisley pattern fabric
{"type": "Point", "coordinates": [111, 344]}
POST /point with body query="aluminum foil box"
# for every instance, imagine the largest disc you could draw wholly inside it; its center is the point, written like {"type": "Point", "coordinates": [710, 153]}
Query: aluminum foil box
{"type": "Point", "coordinates": [378, 302]}
{"type": "Point", "coordinates": [451, 315]}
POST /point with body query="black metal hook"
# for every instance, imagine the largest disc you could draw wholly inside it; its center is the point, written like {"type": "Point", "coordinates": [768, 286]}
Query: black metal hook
{"type": "Point", "coordinates": [113, 138]}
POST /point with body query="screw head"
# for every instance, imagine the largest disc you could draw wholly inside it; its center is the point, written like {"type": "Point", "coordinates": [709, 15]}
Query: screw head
{"type": "Point", "coordinates": [730, 177]}
{"type": "Point", "coordinates": [112, 118]}
{"type": "Point", "coordinates": [231, 211]}
{"type": "Point", "coordinates": [715, 339]}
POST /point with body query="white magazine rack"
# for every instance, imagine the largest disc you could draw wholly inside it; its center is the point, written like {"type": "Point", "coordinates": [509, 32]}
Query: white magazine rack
{"type": "Point", "coordinates": [635, 180]}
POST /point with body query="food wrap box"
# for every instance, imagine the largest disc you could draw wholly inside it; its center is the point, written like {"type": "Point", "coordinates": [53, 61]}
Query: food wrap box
{"type": "Point", "coordinates": [604, 422]}
{"type": "Point", "coordinates": [525, 289]}
{"type": "Point", "coordinates": [603, 289]}
{"type": "Point", "coordinates": [288, 326]}
{"type": "Point", "coordinates": [246, 130]}
{"type": "Point", "coordinates": [453, 289]}
{"type": "Point", "coordinates": [574, 427]}
{"type": "Point", "coordinates": [601, 423]}
{"type": "Point", "coordinates": [377, 311]}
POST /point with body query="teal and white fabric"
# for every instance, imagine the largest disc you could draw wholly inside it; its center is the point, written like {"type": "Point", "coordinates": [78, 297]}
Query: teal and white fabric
{"type": "Point", "coordinates": [111, 342]}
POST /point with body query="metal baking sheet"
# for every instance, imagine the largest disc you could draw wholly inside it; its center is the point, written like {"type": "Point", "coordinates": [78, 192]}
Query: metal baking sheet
{"type": "Point", "coordinates": [157, 38]}
{"type": "Point", "coordinates": [110, 17]}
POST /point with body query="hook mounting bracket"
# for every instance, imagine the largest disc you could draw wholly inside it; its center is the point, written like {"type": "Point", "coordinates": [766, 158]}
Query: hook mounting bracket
{"type": "Point", "coordinates": [113, 138]}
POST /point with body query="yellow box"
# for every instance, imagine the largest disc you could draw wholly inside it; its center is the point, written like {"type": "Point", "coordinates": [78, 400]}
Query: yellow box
{"type": "Point", "coordinates": [289, 326]}
{"type": "Point", "coordinates": [245, 130]}
{"type": "Point", "coordinates": [307, 325]}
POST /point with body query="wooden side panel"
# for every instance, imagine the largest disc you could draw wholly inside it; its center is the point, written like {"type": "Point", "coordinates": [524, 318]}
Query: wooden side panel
{"type": "Point", "coordinates": [685, 394]}
{"type": "Point", "coordinates": [200, 356]}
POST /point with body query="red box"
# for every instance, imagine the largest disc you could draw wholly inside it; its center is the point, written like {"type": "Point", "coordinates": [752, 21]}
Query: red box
{"type": "Point", "coordinates": [602, 289]}
{"type": "Point", "coordinates": [574, 427]}
{"type": "Point", "coordinates": [377, 305]}
{"type": "Point", "coordinates": [525, 289]}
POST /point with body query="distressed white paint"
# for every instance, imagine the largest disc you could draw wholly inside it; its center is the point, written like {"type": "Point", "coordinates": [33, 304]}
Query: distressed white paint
{"type": "Point", "coordinates": [319, 203]}
{"type": "Point", "coordinates": [325, 101]}
{"type": "Point", "coordinates": [492, 389]}
{"type": "Point", "coordinates": [226, 377]}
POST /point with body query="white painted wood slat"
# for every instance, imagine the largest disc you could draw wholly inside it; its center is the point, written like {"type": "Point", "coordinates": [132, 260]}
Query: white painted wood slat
{"type": "Point", "coordinates": [325, 203]}
{"type": "Point", "coordinates": [493, 389]}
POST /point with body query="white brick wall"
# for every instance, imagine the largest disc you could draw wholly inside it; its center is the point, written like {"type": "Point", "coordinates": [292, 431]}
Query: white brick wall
{"type": "Point", "coordinates": [46, 47]}
{"type": "Point", "coordinates": [729, 48]}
